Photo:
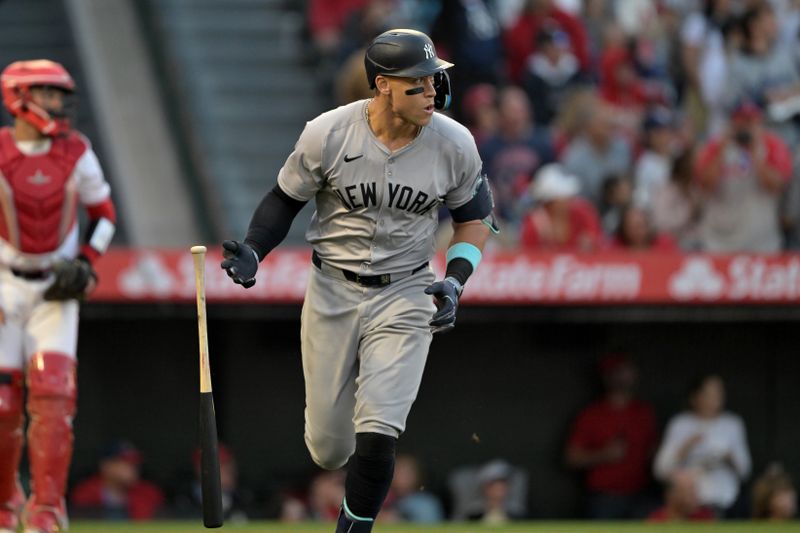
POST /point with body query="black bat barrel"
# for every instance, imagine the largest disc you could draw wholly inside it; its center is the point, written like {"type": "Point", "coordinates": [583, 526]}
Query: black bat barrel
{"type": "Point", "coordinates": [209, 463]}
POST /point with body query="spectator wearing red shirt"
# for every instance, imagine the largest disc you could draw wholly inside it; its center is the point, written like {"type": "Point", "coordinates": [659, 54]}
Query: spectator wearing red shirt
{"type": "Point", "coordinates": [742, 174]}
{"type": "Point", "coordinates": [620, 85]}
{"type": "Point", "coordinates": [625, 90]}
{"type": "Point", "coordinates": [636, 232]}
{"type": "Point", "coordinates": [681, 502]}
{"type": "Point", "coordinates": [116, 492]}
{"type": "Point", "coordinates": [560, 219]}
{"type": "Point", "coordinates": [520, 38]}
{"type": "Point", "coordinates": [612, 441]}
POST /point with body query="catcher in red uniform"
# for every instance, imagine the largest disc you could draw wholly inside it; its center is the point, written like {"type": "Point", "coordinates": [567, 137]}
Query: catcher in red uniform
{"type": "Point", "coordinates": [46, 170]}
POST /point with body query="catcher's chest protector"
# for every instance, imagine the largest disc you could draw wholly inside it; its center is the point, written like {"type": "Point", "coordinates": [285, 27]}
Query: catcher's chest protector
{"type": "Point", "coordinates": [38, 199]}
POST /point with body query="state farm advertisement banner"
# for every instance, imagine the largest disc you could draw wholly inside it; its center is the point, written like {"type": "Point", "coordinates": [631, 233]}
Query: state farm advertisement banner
{"type": "Point", "coordinates": [506, 278]}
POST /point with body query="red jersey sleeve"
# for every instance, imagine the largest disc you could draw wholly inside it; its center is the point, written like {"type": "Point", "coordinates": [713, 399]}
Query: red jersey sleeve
{"type": "Point", "coordinates": [528, 235]}
{"type": "Point", "coordinates": [708, 152]}
{"type": "Point", "coordinates": [778, 155]}
{"type": "Point", "coordinates": [579, 40]}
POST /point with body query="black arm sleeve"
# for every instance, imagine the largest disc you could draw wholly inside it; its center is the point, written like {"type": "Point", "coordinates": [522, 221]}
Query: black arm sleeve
{"type": "Point", "coordinates": [271, 221]}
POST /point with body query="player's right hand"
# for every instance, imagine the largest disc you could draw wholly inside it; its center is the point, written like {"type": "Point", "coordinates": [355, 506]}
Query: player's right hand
{"type": "Point", "coordinates": [240, 263]}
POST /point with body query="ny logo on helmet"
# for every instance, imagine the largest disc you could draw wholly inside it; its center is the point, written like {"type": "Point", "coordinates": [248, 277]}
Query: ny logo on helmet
{"type": "Point", "coordinates": [428, 51]}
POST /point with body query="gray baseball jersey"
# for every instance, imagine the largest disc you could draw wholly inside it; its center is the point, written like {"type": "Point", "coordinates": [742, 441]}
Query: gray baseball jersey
{"type": "Point", "coordinates": [376, 210]}
{"type": "Point", "coordinates": [364, 348]}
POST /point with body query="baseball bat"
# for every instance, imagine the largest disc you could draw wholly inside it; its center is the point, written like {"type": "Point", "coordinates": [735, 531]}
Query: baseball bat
{"type": "Point", "coordinates": [209, 446]}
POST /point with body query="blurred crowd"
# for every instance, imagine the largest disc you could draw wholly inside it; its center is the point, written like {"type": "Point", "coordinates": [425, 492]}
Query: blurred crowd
{"type": "Point", "coordinates": [118, 491]}
{"type": "Point", "coordinates": [659, 125]}
{"type": "Point", "coordinates": [610, 124]}
{"type": "Point", "coordinates": [696, 468]}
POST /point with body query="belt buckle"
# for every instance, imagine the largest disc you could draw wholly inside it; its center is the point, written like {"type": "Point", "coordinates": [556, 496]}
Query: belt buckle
{"type": "Point", "coordinates": [369, 281]}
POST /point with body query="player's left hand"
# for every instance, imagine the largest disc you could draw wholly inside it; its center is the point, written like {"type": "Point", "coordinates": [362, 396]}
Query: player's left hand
{"type": "Point", "coordinates": [447, 293]}
{"type": "Point", "coordinates": [74, 279]}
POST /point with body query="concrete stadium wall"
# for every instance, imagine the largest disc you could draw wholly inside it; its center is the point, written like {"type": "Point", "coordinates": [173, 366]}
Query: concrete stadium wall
{"type": "Point", "coordinates": [516, 386]}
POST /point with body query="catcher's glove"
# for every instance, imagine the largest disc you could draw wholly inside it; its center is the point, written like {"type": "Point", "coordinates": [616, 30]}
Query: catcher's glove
{"type": "Point", "coordinates": [72, 279]}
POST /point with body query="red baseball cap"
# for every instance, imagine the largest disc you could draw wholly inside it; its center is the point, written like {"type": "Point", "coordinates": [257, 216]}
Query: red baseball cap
{"type": "Point", "coordinates": [746, 110]}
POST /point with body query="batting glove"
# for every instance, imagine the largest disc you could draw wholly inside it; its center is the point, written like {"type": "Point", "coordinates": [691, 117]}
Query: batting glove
{"type": "Point", "coordinates": [240, 263]}
{"type": "Point", "coordinates": [447, 293]}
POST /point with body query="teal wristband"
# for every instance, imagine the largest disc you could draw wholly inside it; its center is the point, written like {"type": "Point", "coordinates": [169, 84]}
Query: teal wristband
{"type": "Point", "coordinates": [467, 251]}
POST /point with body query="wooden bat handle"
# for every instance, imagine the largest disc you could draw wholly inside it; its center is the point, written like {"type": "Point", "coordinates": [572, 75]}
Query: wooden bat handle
{"type": "Point", "coordinates": [209, 448]}
{"type": "Point", "coordinates": [199, 256]}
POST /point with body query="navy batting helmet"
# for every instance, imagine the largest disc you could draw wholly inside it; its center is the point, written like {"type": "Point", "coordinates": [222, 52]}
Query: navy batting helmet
{"type": "Point", "coordinates": [408, 54]}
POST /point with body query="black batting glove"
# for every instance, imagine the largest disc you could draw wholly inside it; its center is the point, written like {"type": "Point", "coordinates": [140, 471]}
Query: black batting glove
{"type": "Point", "coordinates": [447, 293]}
{"type": "Point", "coordinates": [240, 263]}
{"type": "Point", "coordinates": [71, 279]}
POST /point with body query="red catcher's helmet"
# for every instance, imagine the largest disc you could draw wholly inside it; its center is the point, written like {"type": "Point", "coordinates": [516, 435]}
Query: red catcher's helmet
{"type": "Point", "coordinates": [16, 82]}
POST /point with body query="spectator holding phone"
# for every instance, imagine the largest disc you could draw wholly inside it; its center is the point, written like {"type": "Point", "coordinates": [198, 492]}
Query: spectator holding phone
{"type": "Point", "coordinates": [742, 174]}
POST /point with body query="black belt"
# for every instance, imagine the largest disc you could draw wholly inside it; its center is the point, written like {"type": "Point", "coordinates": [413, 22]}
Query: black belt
{"type": "Point", "coordinates": [30, 274]}
{"type": "Point", "coordinates": [377, 280]}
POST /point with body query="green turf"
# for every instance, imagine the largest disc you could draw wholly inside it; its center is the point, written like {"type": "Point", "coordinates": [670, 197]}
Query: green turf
{"type": "Point", "coordinates": [532, 527]}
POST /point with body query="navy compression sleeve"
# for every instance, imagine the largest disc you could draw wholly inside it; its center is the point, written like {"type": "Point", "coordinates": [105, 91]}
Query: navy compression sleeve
{"type": "Point", "coordinates": [271, 221]}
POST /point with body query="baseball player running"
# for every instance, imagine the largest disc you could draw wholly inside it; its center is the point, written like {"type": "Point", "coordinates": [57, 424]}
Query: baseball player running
{"type": "Point", "coordinates": [378, 170]}
{"type": "Point", "coordinates": [45, 170]}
